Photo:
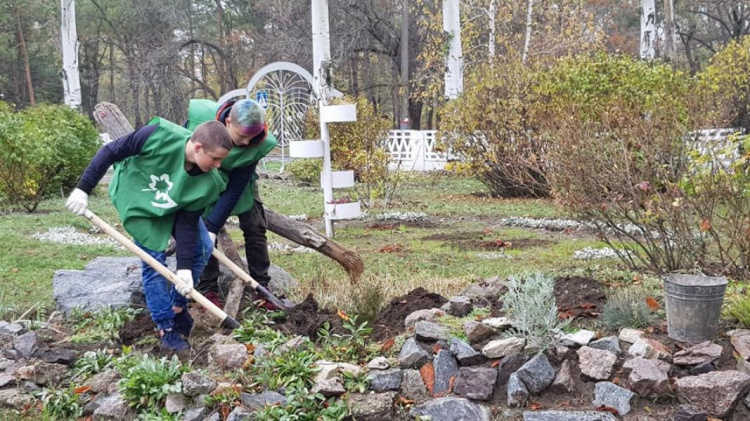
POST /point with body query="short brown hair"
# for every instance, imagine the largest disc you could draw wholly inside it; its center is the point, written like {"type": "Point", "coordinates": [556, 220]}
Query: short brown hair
{"type": "Point", "coordinates": [212, 135]}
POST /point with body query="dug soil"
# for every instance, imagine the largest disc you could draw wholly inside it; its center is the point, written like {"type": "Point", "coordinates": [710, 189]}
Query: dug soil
{"type": "Point", "coordinates": [307, 318]}
{"type": "Point", "coordinates": [465, 241]}
{"type": "Point", "coordinates": [579, 297]}
{"type": "Point", "coordinates": [390, 321]}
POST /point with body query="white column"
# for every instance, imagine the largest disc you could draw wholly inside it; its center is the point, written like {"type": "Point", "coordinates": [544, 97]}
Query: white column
{"type": "Point", "coordinates": [648, 30]}
{"type": "Point", "coordinates": [69, 39]}
{"type": "Point", "coordinates": [321, 60]}
{"type": "Point", "coordinates": [454, 73]}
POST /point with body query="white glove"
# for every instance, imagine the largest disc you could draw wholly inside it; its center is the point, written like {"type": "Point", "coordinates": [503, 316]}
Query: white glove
{"type": "Point", "coordinates": [77, 202]}
{"type": "Point", "coordinates": [186, 275]}
{"type": "Point", "coordinates": [212, 236]}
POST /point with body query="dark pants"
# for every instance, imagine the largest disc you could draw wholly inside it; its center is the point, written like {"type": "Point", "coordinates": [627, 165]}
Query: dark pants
{"type": "Point", "coordinates": [253, 225]}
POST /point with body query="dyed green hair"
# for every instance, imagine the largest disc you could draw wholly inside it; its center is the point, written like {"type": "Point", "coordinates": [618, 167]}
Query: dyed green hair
{"type": "Point", "coordinates": [247, 113]}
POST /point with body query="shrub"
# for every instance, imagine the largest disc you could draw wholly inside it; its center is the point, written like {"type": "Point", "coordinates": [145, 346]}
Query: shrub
{"type": "Point", "coordinates": [530, 303]}
{"type": "Point", "coordinates": [61, 404]}
{"type": "Point", "coordinates": [725, 86]}
{"type": "Point", "coordinates": [490, 126]}
{"type": "Point", "coordinates": [148, 381]}
{"type": "Point", "coordinates": [306, 170]}
{"type": "Point", "coordinates": [627, 307]}
{"type": "Point", "coordinates": [43, 149]}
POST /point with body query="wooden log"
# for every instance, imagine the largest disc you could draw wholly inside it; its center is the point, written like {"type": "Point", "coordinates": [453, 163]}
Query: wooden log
{"type": "Point", "coordinates": [112, 120]}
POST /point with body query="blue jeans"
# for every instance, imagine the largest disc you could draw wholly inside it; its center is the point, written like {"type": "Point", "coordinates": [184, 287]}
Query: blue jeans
{"type": "Point", "coordinates": [161, 294]}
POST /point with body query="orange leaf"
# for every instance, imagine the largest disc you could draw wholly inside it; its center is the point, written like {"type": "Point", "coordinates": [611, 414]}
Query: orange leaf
{"type": "Point", "coordinates": [705, 225]}
{"type": "Point", "coordinates": [81, 389]}
{"type": "Point", "coordinates": [495, 363]}
{"type": "Point", "coordinates": [608, 409]}
{"type": "Point", "coordinates": [652, 303]}
{"type": "Point", "coordinates": [428, 376]}
{"type": "Point", "coordinates": [535, 406]}
{"type": "Point", "coordinates": [342, 315]}
{"type": "Point", "coordinates": [403, 401]}
{"type": "Point", "coordinates": [387, 345]}
{"type": "Point", "coordinates": [565, 315]}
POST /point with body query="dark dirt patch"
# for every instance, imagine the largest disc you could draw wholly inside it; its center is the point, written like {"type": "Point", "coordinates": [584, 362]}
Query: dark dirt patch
{"type": "Point", "coordinates": [579, 297]}
{"type": "Point", "coordinates": [390, 322]}
{"type": "Point", "coordinates": [141, 327]}
{"type": "Point", "coordinates": [393, 225]}
{"type": "Point", "coordinates": [464, 241]}
{"type": "Point", "coordinates": [307, 318]}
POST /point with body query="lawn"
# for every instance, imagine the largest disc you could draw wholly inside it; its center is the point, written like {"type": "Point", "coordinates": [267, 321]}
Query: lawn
{"type": "Point", "coordinates": [455, 246]}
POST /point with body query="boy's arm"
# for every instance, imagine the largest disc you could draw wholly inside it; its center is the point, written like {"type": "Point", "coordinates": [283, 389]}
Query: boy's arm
{"type": "Point", "coordinates": [185, 233]}
{"type": "Point", "coordinates": [126, 146]}
{"type": "Point", "coordinates": [238, 179]}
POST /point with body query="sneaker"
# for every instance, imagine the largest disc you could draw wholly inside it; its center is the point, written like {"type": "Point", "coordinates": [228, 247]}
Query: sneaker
{"type": "Point", "coordinates": [183, 323]}
{"type": "Point", "coordinates": [214, 298]}
{"type": "Point", "coordinates": [172, 341]}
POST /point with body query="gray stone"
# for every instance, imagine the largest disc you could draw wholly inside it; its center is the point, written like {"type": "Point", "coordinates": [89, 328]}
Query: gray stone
{"type": "Point", "coordinates": [690, 413]}
{"type": "Point", "coordinates": [372, 407]}
{"type": "Point", "coordinates": [175, 402]}
{"type": "Point", "coordinates": [411, 355]}
{"type": "Point", "coordinates": [500, 323]}
{"type": "Point", "coordinates": [195, 383]}
{"type": "Point", "coordinates": [214, 416]}
{"type": "Point", "coordinates": [13, 398]}
{"type": "Point", "coordinates": [379, 363]}
{"type": "Point", "coordinates": [507, 367]}
{"type": "Point", "coordinates": [716, 393]}
{"type": "Point", "coordinates": [610, 343]}
{"type": "Point", "coordinates": [477, 332]}
{"type": "Point", "coordinates": [7, 380]}
{"type": "Point", "coordinates": [647, 377]}
{"type": "Point", "coordinates": [240, 414]}
{"type": "Point", "coordinates": [503, 347]}
{"type": "Point", "coordinates": [649, 348]}
{"type": "Point", "coordinates": [517, 392]}
{"type": "Point", "coordinates": [476, 383]}
{"type": "Point", "coordinates": [105, 282]}
{"type": "Point", "coordinates": [7, 328]}
{"type": "Point", "coordinates": [382, 381]}
{"type": "Point", "coordinates": [261, 400]}
{"type": "Point", "coordinates": [460, 306]}
{"type": "Point", "coordinates": [428, 315]}
{"type": "Point", "coordinates": [537, 374]}
{"type": "Point", "coordinates": [194, 414]}
{"type": "Point", "coordinates": [431, 332]}
{"type": "Point", "coordinates": [26, 344]}
{"type": "Point", "coordinates": [704, 368]}
{"type": "Point", "coordinates": [465, 354]}
{"type": "Point", "coordinates": [568, 416]}
{"type": "Point", "coordinates": [55, 355]}
{"type": "Point", "coordinates": [56, 318]}
{"type": "Point", "coordinates": [564, 381]}
{"type": "Point", "coordinates": [445, 368]}
{"type": "Point", "coordinates": [228, 357]}
{"type": "Point", "coordinates": [577, 339]}
{"type": "Point", "coordinates": [413, 387]}
{"type": "Point", "coordinates": [294, 344]}
{"type": "Point", "coordinates": [487, 291]}
{"type": "Point", "coordinates": [451, 409]}
{"type": "Point", "coordinates": [44, 374]}
{"type": "Point", "coordinates": [613, 396]}
{"type": "Point", "coordinates": [630, 335]}
{"type": "Point", "coordinates": [100, 382]}
{"type": "Point", "coordinates": [329, 387]}
{"type": "Point", "coordinates": [740, 339]}
{"type": "Point", "coordinates": [699, 354]}
{"type": "Point", "coordinates": [113, 408]}
{"type": "Point", "coordinates": [596, 364]}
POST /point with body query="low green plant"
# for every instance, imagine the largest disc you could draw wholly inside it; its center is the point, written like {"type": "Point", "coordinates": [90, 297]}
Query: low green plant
{"type": "Point", "coordinates": [628, 307]}
{"type": "Point", "coordinates": [101, 325]}
{"type": "Point", "coordinates": [290, 369]}
{"type": "Point", "coordinates": [148, 382]}
{"type": "Point", "coordinates": [738, 308]}
{"type": "Point", "coordinates": [254, 330]}
{"type": "Point", "coordinates": [226, 398]}
{"type": "Point", "coordinates": [347, 347]}
{"type": "Point", "coordinates": [369, 302]}
{"type": "Point", "coordinates": [92, 362]}
{"type": "Point", "coordinates": [530, 303]}
{"type": "Point", "coordinates": [159, 415]}
{"type": "Point", "coordinates": [306, 170]}
{"type": "Point", "coordinates": [355, 383]}
{"type": "Point", "coordinates": [60, 404]}
{"type": "Point", "coordinates": [301, 405]}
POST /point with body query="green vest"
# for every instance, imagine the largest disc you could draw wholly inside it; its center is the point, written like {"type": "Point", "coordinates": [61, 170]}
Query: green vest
{"type": "Point", "coordinates": [202, 110]}
{"type": "Point", "coordinates": [149, 188]}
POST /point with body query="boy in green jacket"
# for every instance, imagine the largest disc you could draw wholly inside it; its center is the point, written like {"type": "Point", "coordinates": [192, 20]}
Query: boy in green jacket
{"type": "Point", "coordinates": [245, 121]}
{"type": "Point", "coordinates": [165, 176]}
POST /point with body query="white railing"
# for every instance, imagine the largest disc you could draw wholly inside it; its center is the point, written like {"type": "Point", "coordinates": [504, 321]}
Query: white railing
{"type": "Point", "coordinates": [415, 150]}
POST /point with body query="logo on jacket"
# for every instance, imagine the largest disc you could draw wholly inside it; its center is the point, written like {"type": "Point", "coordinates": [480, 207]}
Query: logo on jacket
{"type": "Point", "coordinates": [161, 187]}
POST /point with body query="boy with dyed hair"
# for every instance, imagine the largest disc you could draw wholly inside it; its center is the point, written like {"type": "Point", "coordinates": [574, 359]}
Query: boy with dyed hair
{"type": "Point", "coordinates": [165, 176]}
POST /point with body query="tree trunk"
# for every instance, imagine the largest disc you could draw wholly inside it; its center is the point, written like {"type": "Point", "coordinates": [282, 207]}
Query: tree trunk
{"type": "Point", "coordinates": [220, 65]}
{"type": "Point", "coordinates": [368, 79]}
{"type": "Point", "coordinates": [648, 30]}
{"type": "Point", "coordinates": [491, 41]}
{"type": "Point", "coordinates": [669, 30]}
{"type": "Point", "coordinates": [69, 40]}
{"type": "Point", "coordinates": [529, 21]}
{"type": "Point", "coordinates": [307, 236]}
{"type": "Point", "coordinates": [454, 78]}
{"type": "Point", "coordinates": [25, 58]}
{"type": "Point", "coordinates": [404, 59]}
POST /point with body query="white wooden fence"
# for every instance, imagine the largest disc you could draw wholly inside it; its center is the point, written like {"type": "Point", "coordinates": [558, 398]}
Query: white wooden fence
{"type": "Point", "coordinates": [415, 150]}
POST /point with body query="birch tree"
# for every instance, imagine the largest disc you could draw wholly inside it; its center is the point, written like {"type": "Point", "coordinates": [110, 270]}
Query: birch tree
{"type": "Point", "coordinates": [454, 73]}
{"type": "Point", "coordinates": [648, 30]}
{"type": "Point", "coordinates": [69, 37]}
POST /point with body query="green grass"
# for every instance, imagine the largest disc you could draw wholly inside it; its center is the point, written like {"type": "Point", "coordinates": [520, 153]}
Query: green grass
{"type": "Point", "coordinates": [456, 206]}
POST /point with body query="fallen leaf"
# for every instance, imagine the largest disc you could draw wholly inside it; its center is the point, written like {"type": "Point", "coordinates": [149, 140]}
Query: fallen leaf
{"type": "Point", "coordinates": [495, 363]}
{"type": "Point", "coordinates": [565, 315]}
{"type": "Point", "coordinates": [705, 225]}
{"type": "Point", "coordinates": [343, 315]}
{"type": "Point", "coordinates": [588, 306]}
{"type": "Point", "coordinates": [81, 389]}
{"type": "Point", "coordinates": [650, 329]}
{"type": "Point", "coordinates": [608, 409]}
{"type": "Point", "coordinates": [403, 401]}
{"type": "Point", "coordinates": [652, 303]}
{"type": "Point", "coordinates": [387, 345]}
{"type": "Point", "coordinates": [428, 376]}
{"type": "Point", "coordinates": [647, 409]}
{"type": "Point", "coordinates": [534, 406]}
